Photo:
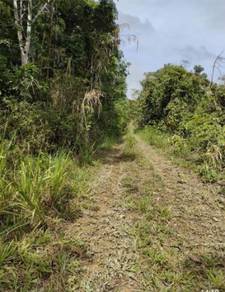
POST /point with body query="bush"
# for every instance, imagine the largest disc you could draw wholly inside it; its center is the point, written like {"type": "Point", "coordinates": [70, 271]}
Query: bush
{"type": "Point", "coordinates": [32, 187]}
{"type": "Point", "coordinates": [26, 126]}
{"type": "Point", "coordinates": [182, 104]}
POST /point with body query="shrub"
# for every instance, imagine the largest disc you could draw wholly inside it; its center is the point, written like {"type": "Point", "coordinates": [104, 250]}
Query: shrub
{"type": "Point", "coordinates": [33, 188]}
{"type": "Point", "coordinates": [182, 104]}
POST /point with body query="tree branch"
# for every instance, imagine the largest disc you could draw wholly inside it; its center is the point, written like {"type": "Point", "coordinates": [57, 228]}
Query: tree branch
{"type": "Point", "coordinates": [40, 11]}
{"type": "Point", "coordinates": [18, 25]}
{"type": "Point", "coordinates": [217, 59]}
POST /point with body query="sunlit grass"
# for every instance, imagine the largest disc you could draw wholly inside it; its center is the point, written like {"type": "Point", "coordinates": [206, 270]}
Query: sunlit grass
{"type": "Point", "coordinates": [37, 193]}
{"type": "Point", "coordinates": [129, 148]}
{"type": "Point", "coordinates": [165, 263]}
{"type": "Point", "coordinates": [182, 153]}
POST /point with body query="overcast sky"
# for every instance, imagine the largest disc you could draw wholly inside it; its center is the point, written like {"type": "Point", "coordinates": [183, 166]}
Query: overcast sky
{"type": "Point", "coordinates": [170, 31]}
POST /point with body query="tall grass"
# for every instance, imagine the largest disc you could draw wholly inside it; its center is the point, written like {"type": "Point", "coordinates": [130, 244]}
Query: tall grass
{"type": "Point", "coordinates": [208, 164]}
{"type": "Point", "coordinates": [57, 176]}
{"type": "Point", "coordinates": [129, 149]}
{"type": "Point", "coordinates": [32, 186]}
{"type": "Point", "coordinates": [155, 137]}
{"type": "Point", "coordinates": [35, 192]}
{"type": "Point", "coordinates": [29, 187]}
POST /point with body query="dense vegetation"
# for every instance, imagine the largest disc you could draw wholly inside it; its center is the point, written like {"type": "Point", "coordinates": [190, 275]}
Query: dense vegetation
{"type": "Point", "coordinates": [63, 96]}
{"type": "Point", "coordinates": [62, 102]}
{"type": "Point", "coordinates": [75, 70]}
{"type": "Point", "coordinates": [186, 112]}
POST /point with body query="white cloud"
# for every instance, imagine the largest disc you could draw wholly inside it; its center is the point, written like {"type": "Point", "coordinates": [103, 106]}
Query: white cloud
{"type": "Point", "coordinates": [169, 31]}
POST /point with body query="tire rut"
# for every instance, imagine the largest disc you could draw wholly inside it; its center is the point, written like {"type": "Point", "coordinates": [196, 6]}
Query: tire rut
{"type": "Point", "coordinates": [106, 230]}
{"type": "Point", "coordinates": [198, 209]}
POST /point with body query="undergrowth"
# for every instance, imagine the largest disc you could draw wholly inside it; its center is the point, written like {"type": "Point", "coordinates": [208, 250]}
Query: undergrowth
{"type": "Point", "coordinates": [184, 113]}
{"type": "Point", "coordinates": [206, 164]}
{"type": "Point", "coordinates": [129, 148]}
{"type": "Point", "coordinates": [38, 195]}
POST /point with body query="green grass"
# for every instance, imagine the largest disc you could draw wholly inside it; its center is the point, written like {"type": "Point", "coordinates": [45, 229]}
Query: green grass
{"type": "Point", "coordinates": [165, 263]}
{"type": "Point", "coordinates": [38, 195]}
{"type": "Point", "coordinates": [40, 259]}
{"type": "Point", "coordinates": [129, 148]}
{"type": "Point", "coordinates": [154, 137]}
{"type": "Point", "coordinates": [183, 153]}
{"type": "Point", "coordinates": [108, 143]}
{"type": "Point", "coordinates": [165, 268]}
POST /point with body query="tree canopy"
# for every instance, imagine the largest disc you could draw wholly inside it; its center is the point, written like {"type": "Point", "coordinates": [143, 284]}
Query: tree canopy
{"type": "Point", "coordinates": [72, 79]}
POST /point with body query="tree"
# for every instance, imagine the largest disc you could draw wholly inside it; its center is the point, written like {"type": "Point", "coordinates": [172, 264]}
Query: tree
{"type": "Point", "coordinates": [198, 69]}
{"type": "Point", "coordinates": [170, 94]}
{"type": "Point", "coordinates": [24, 20]}
{"type": "Point", "coordinates": [77, 67]}
{"type": "Point", "coordinates": [217, 64]}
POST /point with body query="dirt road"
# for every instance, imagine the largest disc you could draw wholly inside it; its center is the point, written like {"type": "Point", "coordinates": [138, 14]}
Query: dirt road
{"type": "Point", "coordinates": [151, 226]}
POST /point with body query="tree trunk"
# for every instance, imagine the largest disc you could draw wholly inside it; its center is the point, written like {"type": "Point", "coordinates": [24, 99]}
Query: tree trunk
{"type": "Point", "coordinates": [24, 58]}
{"type": "Point", "coordinates": [23, 22]}
{"type": "Point", "coordinates": [18, 12]}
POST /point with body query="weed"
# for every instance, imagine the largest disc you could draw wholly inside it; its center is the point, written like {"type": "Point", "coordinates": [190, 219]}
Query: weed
{"type": "Point", "coordinates": [208, 164]}
{"type": "Point", "coordinates": [29, 186]}
{"type": "Point", "coordinates": [56, 179]}
{"type": "Point", "coordinates": [7, 252]}
{"type": "Point", "coordinates": [216, 278]}
{"type": "Point", "coordinates": [35, 193]}
{"type": "Point", "coordinates": [208, 174]}
{"type": "Point", "coordinates": [155, 137]}
{"type": "Point", "coordinates": [129, 150]}
{"type": "Point", "coordinates": [108, 143]}
{"type": "Point", "coordinates": [144, 204]}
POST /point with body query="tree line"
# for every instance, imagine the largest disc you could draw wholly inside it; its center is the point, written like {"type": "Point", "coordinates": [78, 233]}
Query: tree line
{"type": "Point", "coordinates": [191, 109]}
{"type": "Point", "coordinates": [62, 95]}
{"type": "Point", "coordinates": [62, 75]}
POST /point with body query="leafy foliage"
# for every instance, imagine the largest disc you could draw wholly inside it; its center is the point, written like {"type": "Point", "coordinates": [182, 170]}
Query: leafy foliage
{"type": "Point", "coordinates": [74, 52]}
{"type": "Point", "coordinates": [183, 104]}
{"type": "Point", "coordinates": [61, 105]}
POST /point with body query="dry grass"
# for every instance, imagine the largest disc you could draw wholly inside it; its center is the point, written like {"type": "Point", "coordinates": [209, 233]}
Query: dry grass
{"type": "Point", "coordinates": [180, 250]}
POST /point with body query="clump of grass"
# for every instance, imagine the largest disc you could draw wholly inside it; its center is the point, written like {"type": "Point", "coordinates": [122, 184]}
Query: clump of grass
{"type": "Point", "coordinates": [207, 164]}
{"type": "Point", "coordinates": [144, 204]}
{"type": "Point", "coordinates": [38, 184]}
{"type": "Point", "coordinates": [29, 187]}
{"type": "Point", "coordinates": [108, 143]}
{"type": "Point", "coordinates": [36, 194]}
{"type": "Point", "coordinates": [7, 252]}
{"type": "Point", "coordinates": [208, 173]}
{"type": "Point", "coordinates": [57, 178]}
{"type": "Point", "coordinates": [155, 137]}
{"type": "Point", "coordinates": [129, 149]}
{"type": "Point", "coordinates": [216, 278]}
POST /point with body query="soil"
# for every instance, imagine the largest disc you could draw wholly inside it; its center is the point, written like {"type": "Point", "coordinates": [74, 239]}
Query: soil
{"type": "Point", "coordinates": [107, 226]}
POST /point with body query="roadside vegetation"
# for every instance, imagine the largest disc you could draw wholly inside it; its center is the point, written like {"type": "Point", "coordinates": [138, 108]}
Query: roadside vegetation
{"type": "Point", "coordinates": [62, 95]}
{"type": "Point", "coordinates": [183, 113]}
{"type": "Point", "coordinates": [39, 196]}
{"type": "Point", "coordinates": [68, 195]}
